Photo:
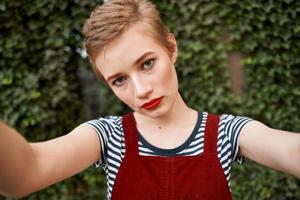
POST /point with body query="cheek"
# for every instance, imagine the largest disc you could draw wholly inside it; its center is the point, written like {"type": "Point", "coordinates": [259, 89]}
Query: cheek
{"type": "Point", "coordinates": [124, 96]}
{"type": "Point", "coordinates": [168, 75]}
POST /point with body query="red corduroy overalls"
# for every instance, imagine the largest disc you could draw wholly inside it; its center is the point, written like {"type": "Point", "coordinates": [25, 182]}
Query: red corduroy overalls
{"type": "Point", "coordinates": [171, 178]}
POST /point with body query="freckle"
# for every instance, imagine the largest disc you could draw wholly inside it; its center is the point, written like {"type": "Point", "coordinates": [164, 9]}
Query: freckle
{"type": "Point", "coordinates": [159, 127]}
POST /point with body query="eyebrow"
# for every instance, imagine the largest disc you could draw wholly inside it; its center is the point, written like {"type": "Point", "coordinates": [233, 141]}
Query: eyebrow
{"type": "Point", "coordinates": [140, 59]}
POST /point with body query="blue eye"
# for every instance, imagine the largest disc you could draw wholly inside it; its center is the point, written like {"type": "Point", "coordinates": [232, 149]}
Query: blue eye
{"type": "Point", "coordinates": [119, 81]}
{"type": "Point", "coordinates": [148, 64]}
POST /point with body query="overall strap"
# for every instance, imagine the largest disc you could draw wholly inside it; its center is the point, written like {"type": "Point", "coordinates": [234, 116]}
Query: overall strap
{"type": "Point", "coordinates": [211, 133]}
{"type": "Point", "coordinates": [130, 134]}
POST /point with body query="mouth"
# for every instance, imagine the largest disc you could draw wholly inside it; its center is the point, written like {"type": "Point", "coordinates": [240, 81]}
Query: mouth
{"type": "Point", "coordinates": [152, 103]}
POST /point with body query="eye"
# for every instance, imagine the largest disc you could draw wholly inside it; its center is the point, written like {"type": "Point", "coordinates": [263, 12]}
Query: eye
{"type": "Point", "coordinates": [119, 81]}
{"type": "Point", "coordinates": [148, 64]}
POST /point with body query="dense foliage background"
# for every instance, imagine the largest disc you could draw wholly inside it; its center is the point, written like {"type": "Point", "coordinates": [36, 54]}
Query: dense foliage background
{"type": "Point", "coordinates": [47, 88]}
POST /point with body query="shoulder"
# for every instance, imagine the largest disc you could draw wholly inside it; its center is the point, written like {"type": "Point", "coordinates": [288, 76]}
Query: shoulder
{"type": "Point", "coordinates": [229, 129]}
{"type": "Point", "coordinates": [232, 124]}
{"type": "Point", "coordinates": [232, 119]}
{"type": "Point", "coordinates": [108, 123]}
{"type": "Point", "coordinates": [228, 120]}
{"type": "Point", "coordinates": [109, 129]}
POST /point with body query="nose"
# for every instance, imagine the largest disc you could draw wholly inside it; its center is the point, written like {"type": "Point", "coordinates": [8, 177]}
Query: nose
{"type": "Point", "coordinates": [142, 87]}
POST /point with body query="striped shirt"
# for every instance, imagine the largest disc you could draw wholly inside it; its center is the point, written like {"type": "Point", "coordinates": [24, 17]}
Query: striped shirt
{"type": "Point", "coordinates": [111, 136]}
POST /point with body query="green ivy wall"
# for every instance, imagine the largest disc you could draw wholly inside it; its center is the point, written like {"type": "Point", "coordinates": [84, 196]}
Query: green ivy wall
{"type": "Point", "coordinates": [43, 95]}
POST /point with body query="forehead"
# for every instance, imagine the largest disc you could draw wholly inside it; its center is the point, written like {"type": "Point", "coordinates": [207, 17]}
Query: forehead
{"type": "Point", "coordinates": [125, 49]}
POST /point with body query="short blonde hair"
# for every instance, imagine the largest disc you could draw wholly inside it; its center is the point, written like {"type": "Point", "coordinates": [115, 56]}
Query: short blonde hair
{"type": "Point", "coordinates": [112, 18]}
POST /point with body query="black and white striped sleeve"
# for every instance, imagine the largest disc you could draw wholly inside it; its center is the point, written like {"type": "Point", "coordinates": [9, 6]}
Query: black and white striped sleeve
{"type": "Point", "coordinates": [104, 128]}
{"type": "Point", "coordinates": [232, 126]}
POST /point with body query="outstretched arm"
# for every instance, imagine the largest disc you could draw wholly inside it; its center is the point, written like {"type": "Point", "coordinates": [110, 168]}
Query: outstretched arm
{"type": "Point", "coordinates": [15, 156]}
{"type": "Point", "coordinates": [273, 148]}
{"type": "Point", "coordinates": [28, 167]}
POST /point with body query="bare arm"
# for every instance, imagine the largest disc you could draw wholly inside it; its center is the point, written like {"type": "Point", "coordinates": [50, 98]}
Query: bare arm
{"type": "Point", "coordinates": [15, 153]}
{"type": "Point", "coordinates": [28, 167]}
{"type": "Point", "coordinates": [273, 148]}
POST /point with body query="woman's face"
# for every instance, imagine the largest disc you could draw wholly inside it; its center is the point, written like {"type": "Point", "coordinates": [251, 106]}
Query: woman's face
{"type": "Point", "coordinates": [141, 71]}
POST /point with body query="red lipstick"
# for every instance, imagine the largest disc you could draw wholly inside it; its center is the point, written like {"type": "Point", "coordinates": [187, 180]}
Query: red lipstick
{"type": "Point", "coordinates": [152, 103]}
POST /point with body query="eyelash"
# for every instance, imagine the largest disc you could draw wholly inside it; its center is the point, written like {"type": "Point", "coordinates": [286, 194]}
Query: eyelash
{"type": "Point", "coordinates": [147, 61]}
{"type": "Point", "coordinates": [152, 60]}
{"type": "Point", "coordinates": [116, 80]}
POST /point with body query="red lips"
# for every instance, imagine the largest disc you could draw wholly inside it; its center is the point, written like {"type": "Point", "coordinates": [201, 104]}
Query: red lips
{"type": "Point", "coordinates": [152, 103]}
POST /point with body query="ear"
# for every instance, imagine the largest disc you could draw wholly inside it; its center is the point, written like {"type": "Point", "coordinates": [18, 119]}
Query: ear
{"type": "Point", "coordinates": [172, 47]}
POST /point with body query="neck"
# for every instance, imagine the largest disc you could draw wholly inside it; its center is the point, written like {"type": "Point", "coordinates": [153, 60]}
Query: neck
{"type": "Point", "coordinates": [179, 114]}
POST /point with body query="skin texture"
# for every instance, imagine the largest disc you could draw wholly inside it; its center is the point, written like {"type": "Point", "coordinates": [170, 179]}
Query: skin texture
{"type": "Point", "coordinates": [153, 76]}
{"type": "Point", "coordinates": [135, 83]}
{"type": "Point", "coordinates": [29, 167]}
{"type": "Point", "coordinates": [141, 81]}
{"type": "Point", "coordinates": [277, 149]}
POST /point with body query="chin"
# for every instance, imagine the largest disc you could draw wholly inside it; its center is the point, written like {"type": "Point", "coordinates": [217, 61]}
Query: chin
{"type": "Point", "coordinates": [155, 113]}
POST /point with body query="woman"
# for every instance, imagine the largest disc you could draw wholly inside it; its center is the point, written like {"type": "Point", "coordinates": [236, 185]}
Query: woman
{"type": "Point", "coordinates": [163, 149]}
